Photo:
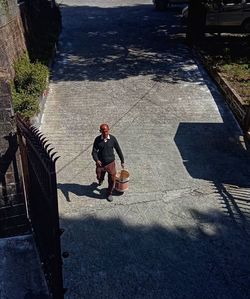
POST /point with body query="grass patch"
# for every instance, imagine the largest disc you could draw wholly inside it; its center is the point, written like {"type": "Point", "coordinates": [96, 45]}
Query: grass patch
{"type": "Point", "coordinates": [230, 55]}
{"type": "Point", "coordinates": [238, 74]}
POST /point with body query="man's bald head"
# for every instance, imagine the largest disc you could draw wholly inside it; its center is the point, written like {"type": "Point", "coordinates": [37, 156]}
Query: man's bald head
{"type": "Point", "coordinates": [104, 129]}
{"type": "Point", "coordinates": [104, 126]}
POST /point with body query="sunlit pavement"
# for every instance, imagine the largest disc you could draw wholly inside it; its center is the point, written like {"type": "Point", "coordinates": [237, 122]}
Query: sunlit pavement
{"type": "Point", "coordinates": [182, 228]}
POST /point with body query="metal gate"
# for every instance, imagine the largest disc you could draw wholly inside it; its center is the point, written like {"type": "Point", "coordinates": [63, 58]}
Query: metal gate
{"type": "Point", "coordinates": [38, 163]}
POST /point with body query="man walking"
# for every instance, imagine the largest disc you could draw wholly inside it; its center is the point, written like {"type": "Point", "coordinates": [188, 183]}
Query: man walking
{"type": "Point", "coordinates": [104, 156]}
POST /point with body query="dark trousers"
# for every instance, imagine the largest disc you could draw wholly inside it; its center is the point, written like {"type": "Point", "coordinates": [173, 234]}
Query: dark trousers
{"type": "Point", "coordinates": [111, 170]}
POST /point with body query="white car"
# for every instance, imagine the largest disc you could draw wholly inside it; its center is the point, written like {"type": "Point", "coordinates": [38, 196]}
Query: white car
{"type": "Point", "coordinates": [226, 13]}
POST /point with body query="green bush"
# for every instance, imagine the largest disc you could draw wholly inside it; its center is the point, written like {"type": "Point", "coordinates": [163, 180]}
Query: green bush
{"type": "Point", "coordinates": [25, 104]}
{"type": "Point", "coordinates": [29, 83]}
{"type": "Point", "coordinates": [4, 6]}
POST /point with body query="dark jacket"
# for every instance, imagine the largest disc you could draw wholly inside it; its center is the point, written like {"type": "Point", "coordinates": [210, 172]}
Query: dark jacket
{"type": "Point", "coordinates": [104, 151]}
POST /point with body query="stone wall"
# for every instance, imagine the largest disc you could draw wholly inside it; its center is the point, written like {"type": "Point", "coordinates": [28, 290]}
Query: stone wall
{"type": "Point", "coordinates": [13, 218]}
{"type": "Point", "coordinates": [12, 41]}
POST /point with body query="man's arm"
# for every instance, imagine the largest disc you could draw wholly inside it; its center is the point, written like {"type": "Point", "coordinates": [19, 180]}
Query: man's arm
{"type": "Point", "coordinates": [95, 151]}
{"type": "Point", "coordinates": [119, 151]}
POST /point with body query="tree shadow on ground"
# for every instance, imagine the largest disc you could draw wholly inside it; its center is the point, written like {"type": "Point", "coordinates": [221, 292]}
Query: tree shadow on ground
{"type": "Point", "coordinates": [110, 258]}
{"type": "Point", "coordinates": [113, 43]}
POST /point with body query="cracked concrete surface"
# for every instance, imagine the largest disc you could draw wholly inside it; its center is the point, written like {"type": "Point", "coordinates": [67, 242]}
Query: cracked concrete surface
{"type": "Point", "coordinates": [182, 229]}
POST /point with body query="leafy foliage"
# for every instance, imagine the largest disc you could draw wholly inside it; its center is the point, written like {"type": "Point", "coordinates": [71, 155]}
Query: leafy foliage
{"type": "Point", "coordinates": [29, 83]}
{"type": "Point", "coordinates": [4, 6]}
{"type": "Point", "coordinates": [31, 71]}
{"type": "Point", "coordinates": [239, 72]}
{"type": "Point", "coordinates": [27, 105]}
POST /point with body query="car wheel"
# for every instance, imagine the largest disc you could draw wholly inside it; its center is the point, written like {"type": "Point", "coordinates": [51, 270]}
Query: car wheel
{"type": "Point", "coordinates": [246, 25]}
{"type": "Point", "coordinates": [160, 4]}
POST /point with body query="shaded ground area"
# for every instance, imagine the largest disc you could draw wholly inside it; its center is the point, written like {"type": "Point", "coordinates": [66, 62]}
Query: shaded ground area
{"type": "Point", "coordinates": [204, 159]}
{"type": "Point", "coordinates": [110, 48]}
{"type": "Point", "coordinates": [208, 260]}
{"type": "Point", "coordinates": [20, 270]}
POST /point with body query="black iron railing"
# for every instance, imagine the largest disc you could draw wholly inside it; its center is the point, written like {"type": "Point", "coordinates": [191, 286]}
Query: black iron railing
{"type": "Point", "coordinates": [38, 163]}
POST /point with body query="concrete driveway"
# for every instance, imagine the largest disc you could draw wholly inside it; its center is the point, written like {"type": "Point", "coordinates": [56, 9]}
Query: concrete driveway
{"type": "Point", "coordinates": [182, 229]}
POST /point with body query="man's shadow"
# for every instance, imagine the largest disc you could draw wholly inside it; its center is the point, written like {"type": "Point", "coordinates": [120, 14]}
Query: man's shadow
{"type": "Point", "coordinates": [92, 190]}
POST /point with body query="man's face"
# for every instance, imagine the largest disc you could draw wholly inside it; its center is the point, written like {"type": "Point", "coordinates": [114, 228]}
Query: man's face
{"type": "Point", "coordinates": [105, 131]}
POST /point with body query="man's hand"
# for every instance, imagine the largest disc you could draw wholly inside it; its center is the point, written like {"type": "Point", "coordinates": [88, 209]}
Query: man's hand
{"type": "Point", "coordinates": [122, 165]}
{"type": "Point", "coordinates": [98, 163]}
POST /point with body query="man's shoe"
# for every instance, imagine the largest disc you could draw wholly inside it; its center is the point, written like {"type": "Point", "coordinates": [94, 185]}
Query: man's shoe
{"type": "Point", "coordinates": [110, 198]}
{"type": "Point", "coordinates": [100, 183]}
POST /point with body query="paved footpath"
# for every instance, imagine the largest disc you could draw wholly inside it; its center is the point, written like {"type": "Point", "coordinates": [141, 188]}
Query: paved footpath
{"type": "Point", "coordinates": [182, 229]}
